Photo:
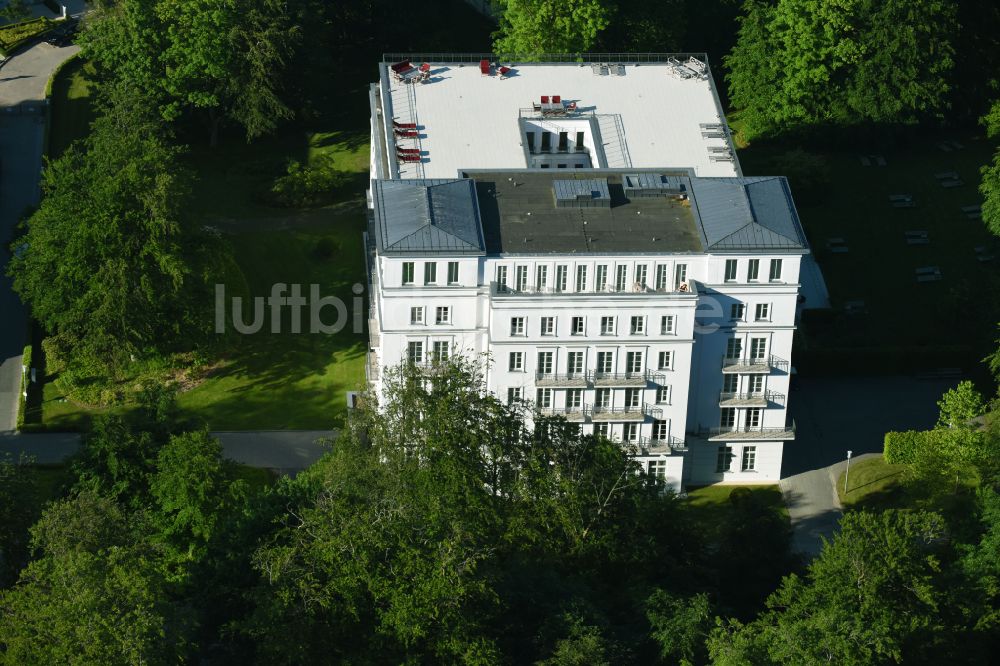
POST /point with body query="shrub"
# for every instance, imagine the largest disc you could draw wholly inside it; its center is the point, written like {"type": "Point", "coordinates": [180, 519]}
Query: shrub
{"type": "Point", "coordinates": [25, 381]}
{"type": "Point", "coordinates": [308, 186]}
{"type": "Point", "coordinates": [15, 35]}
{"type": "Point", "coordinates": [903, 448]}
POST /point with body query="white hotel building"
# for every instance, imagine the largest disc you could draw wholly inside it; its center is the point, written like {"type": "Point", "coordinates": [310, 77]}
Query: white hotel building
{"type": "Point", "coordinates": [604, 248]}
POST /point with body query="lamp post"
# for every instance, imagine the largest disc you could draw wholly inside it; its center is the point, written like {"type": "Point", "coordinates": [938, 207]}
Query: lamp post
{"type": "Point", "coordinates": [847, 474]}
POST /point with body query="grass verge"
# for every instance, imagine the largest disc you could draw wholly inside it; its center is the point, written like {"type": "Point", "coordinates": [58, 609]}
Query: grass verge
{"type": "Point", "coordinates": [713, 510]}
{"type": "Point", "coordinates": [873, 483]}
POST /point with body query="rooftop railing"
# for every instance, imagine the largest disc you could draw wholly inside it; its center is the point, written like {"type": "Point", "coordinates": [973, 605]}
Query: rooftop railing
{"type": "Point", "coordinates": [635, 289]}
{"type": "Point", "coordinates": [548, 58]}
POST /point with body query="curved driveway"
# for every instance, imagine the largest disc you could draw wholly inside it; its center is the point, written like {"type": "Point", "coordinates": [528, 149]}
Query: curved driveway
{"type": "Point", "coordinates": [22, 135]}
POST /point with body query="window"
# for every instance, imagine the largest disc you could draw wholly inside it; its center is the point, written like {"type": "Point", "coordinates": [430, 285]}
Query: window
{"type": "Point", "coordinates": [574, 398]}
{"type": "Point", "coordinates": [579, 141]}
{"type": "Point", "coordinates": [640, 275]}
{"type": "Point", "coordinates": [452, 272]}
{"type": "Point", "coordinates": [563, 142]}
{"type": "Point", "coordinates": [756, 384]}
{"type": "Point", "coordinates": [661, 429]}
{"type": "Point", "coordinates": [561, 278]}
{"type": "Point", "coordinates": [513, 394]}
{"type": "Point", "coordinates": [727, 417]}
{"type": "Point", "coordinates": [730, 383]}
{"type": "Point", "coordinates": [543, 397]}
{"type": "Point", "coordinates": [633, 361]}
{"type": "Point", "coordinates": [680, 275]}
{"type": "Point", "coordinates": [753, 268]}
{"type": "Point", "coordinates": [602, 397]}
{"type": "Point", "coordinates": [638, 325]}
{"type": "Point", "coordinates": [762, 312]}
{"type": "Point", "coordinates": [736, 311]}
{"type": "Point", "coordinates": [581, 278]}
{"type": "Point", "coordinates": [667, 325]}
{"type": "Point", "coordinates": [430, 273]}
{"type": "Point", "coordinates": [545, 363]}
{"type": "Point", "coordinates": [630, 432]}
{"type": "Point", "coordinates": [442, 315]}
{"type": "Point", "coordinates": [661, 277]}
{"type": "Point", "coordinates": [730, 270]}
{"type": "Point", "coordinates": [577, 326]}
{"type": "Point", "coordinates": [548, 326]}
{"type": "Point", "coordinates": [607, 325]}
{"type": "Point", "coordinates": [724, 459]}
{"type": "Point", "coordinates": [516, 362]}
{"type": "Point", "coordinates": [734, 348]}
{"type": "Point", "coordinates": [753, 418]}
{"type": "Point", "coordinates": [749, 458]}
{"type": "Point", "coordinates": [541, 277]}
{"type": "Point", "coordinates": [502, 277]}
{"type": "Point", "coordinates": [601, 430]}
{"type": "Point", "coordinates": [605, 361]}
{"type": "Point", "coordinates": [775, 270]}
{"type": "Point", "coordinates": [441, 351]}
{"type": "Point", "coordinates": [407, 272]}
{"type": "Point", "coordinates": [632, 398]}
{"type": "Point", "coordinates": [517, 325]}
{"type": "Point", "coordinates": [602, 278]}
{"type": "Point", "coordinates": [620, 274]}
{"type": "Point", "coordinates": [758, 348]}
{"type": "Point", "coordinates": [666, 360]}
{"type": "Point", "coordinates": [415, 352]}
{"type": "Point", "coordinates": [416, 315]}
{"type": "Point", "coordinates": [658, 469]}
{"type": "Point", "coordinates": [521, 278]}
{"type": "Point", "coordinates": [574, 362]}
{"type": "Point", "coordinates": [663, 395]}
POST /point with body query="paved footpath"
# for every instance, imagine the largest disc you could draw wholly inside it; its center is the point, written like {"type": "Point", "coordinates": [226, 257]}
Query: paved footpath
{"type": "Point", "coordinates": [813, 506]}
{"type": "Point", "coordinates": [287, 451]}
{"type": "Point", "coordinates": [22, 135]}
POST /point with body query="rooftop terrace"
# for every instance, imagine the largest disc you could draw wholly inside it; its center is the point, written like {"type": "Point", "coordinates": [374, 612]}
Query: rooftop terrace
{"type": "Point", "coordinates": [649, 111]}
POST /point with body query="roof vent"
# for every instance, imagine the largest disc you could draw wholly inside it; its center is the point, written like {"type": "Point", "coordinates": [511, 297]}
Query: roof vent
{"type": "Point", "coordinates": [652, 185]}
{"type": "Point", "coordinates": [583, 193]}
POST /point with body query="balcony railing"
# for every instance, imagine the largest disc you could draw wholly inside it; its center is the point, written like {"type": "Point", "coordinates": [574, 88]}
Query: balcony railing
{"type": "Point", "coordinates": [374, 339]}
{"type": "Point", "coordinates": [574, 414]}
{"type": "Point", "coordinates": [637, 413]}
{"type": "Point", "coordinates": [752, 399]}
{"type": "Point", "coordinates": [668, 444]}
{"type": "Point", "coordinates": [373, 367]}
{"type": "Point", "coordinates": [738, 433]}
{"type": "Point", "coordinates": [635, 289]}
{"type": "Point", "coordinates": [760, 365]}
{"type": "Point", "coordinates": [639, 379]}
{"type": "Point", "coordinates": [563, 379]}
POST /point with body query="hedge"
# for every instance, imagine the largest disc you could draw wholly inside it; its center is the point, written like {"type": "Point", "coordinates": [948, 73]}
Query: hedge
{"type": "Point", "coordinates": [17, 34]}
{"type": "Point", "coordinates": [901, 447]}
{"type": "Point", "coordinates": [22, 403]}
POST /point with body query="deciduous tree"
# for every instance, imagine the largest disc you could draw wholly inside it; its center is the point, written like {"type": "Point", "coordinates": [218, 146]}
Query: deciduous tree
{"type": "Point", "coordinates": [534, 27]}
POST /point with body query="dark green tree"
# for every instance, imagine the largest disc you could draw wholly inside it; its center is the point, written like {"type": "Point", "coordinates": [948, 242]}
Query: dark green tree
{"type": "Point", "coordinates": [680, 626]}
{"type": "Point", "coordinates": [18, 509]}
{"type": "Point", "coordinates": [990, 186]}
{"type": "Point", "coordinates": [806, 62]}
{"type": "Point", "coordinates": [535, 27]}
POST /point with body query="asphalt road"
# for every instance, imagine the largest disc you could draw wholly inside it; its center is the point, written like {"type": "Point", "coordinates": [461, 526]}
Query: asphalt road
{"type": "Point", "coordinates": [22, 133]}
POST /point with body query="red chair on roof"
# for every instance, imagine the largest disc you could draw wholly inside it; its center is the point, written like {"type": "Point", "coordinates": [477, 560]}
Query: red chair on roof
{"type": "Point", "coordinates": [545, 100]}
{"type": "Point", "coordinates": [398, 125]}
{"type": "Point", "coordinates": [556, 99]}
{"type": "Point", "coordinates": [484, 67]}
{"type": "Point", "coordinates": [504, 71]}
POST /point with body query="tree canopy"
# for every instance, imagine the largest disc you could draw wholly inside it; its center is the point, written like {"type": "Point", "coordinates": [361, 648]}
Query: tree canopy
{"type": "Point", "coordinates": [535, 27]}
{"type": "Point", "coordinates": [806, 62]}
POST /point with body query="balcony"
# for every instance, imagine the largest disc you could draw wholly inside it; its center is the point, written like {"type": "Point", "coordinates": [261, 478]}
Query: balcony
{"type": "Point", "coordinates": [744, 433]}
{"type": "Point", "coordinates": [658, 445]}
{"type": "Point", "coordinates": [374, 339]}
{"type": "Point", "coordinates": [571, 414]}
{"type": "Point", "coordinates": [570, 379]}
{"type": "Point", "coordinates": [373, 369]}
{"type": "Point", "coordinates": [753, 366]}
{"type": "Point", "coordinates": [755, 399]}
{"type": "Point", "coordinates": [627, 379]}
{"type": "Point", "coordinates": [637, 413]}
{"type": "Point", "coordinates": [688, 289]}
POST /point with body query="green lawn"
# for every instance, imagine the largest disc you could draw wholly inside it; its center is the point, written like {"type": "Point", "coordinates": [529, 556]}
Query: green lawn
{"type": "Point", "coordinates": [71, 106]}
{"type": "Point", "coordinates": [901, 314]}
{"type": "Point", "coordinates": [873, 482]}
{"type": "Point", "coordinates": [712, 508]}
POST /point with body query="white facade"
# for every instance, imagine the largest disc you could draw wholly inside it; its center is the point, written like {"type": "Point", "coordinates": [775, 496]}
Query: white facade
{"type": "Point", "coordinates": [684, 350]}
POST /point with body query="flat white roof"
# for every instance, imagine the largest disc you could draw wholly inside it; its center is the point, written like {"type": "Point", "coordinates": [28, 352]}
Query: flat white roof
{"type": "Point", "coordinates": [470, 121]}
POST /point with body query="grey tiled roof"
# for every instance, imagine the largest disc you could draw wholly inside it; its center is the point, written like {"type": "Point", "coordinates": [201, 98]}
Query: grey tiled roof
{"type": "Point", "coordinates": [427, 215]}
{"type": "Point", "coordinates": [747, 214]}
